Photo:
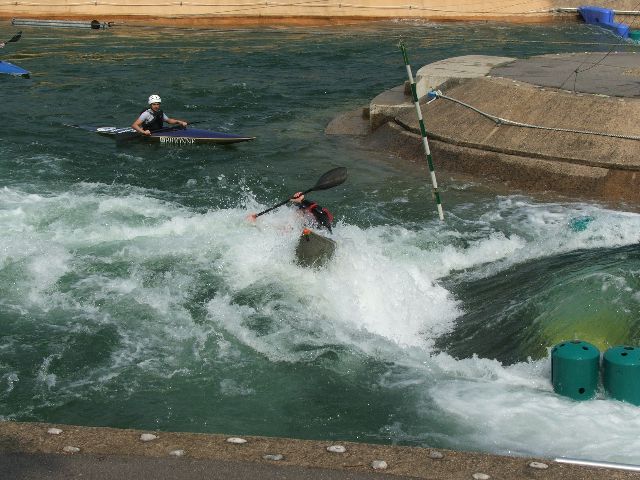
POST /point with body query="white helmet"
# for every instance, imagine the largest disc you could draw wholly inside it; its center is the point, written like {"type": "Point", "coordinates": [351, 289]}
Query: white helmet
{"type": "Point", "coordinates": [154, 99]}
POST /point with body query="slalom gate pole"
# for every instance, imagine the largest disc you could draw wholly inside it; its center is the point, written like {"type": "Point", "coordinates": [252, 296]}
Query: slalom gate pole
{"type": "Point", "coordinates": [425, 142]}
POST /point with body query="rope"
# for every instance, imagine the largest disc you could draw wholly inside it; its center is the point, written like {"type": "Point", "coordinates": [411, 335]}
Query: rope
{"type": "Point", "coordinates": [505, 121]}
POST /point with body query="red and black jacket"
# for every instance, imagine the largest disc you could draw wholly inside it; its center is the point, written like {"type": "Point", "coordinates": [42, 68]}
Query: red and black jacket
{"type": "Point", "coordinates": [321, 215]}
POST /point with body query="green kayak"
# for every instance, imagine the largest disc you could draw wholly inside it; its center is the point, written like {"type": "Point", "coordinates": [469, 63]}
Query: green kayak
{"type": "Point", "coordinates": [314, 250]}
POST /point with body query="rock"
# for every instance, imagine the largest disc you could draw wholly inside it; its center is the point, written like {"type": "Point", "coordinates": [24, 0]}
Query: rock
{"type": "Point", "coordinates": [481, 476]}
{"type": "Point", "coordinates": [236, 440]}
{"type": "Point", "coordinates": [147, 437]}
{"type": "Point", "coordinates": [336, 449]}
{"type": "Point", "coordinates": [275, 457]}
{"type": "Point", "coordinates": [70, 449]}
{"type": "Point", "coordinates": [54, 431]}
{"type": "Point", "coordinates": [379, 465]}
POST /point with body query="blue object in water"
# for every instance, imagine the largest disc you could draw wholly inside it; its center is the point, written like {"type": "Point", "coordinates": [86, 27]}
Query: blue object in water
{"type": "Point", "coordinates": [575, 369]}
{"type": "Point", "coordinates": [580, 224]}
{"type": "Point", "coordinates": [621, 373]}
{"type": "Point", "coordinates": [11, 69]}
{"type": "Point", "coordinates": [604, 18]}
{"type": "Point", "coordinates": [596, 15]}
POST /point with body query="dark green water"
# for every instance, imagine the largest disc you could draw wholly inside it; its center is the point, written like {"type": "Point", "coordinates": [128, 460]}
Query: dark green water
{"type": "Point", "coordinates": [133, 293]}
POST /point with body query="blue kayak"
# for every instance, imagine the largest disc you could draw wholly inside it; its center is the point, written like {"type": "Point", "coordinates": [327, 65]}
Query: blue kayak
{"type": "Point", "coordinates": [172, 135]}
{"type": "Point", "coordinates": [11, 69]}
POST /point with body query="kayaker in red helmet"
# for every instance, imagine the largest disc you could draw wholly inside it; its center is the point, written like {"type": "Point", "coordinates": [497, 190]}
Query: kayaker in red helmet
{"type": "Point", "coordinates": [321, 216]}
{"type": "Point", "coordinates": [153, 118]}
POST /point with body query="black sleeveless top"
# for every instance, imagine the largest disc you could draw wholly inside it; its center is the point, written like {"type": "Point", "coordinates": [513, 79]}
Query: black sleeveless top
{"type": "Point", "coordinates": [158, 120]}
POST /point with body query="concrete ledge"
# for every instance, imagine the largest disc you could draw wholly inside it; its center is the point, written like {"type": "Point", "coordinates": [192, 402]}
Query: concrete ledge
{"type": "Point", "coordinates": [434, 75]}
{"type": "Point", "coordinates": [210, 13]}
{"type": "Point", "coordinates": [557, 112]}
{"type": "Point", "coordinates": [515, 172]}
{"type": "Point", "coordinates": [354, 123]}
{"type": "Point", "coordinates": [398, 101]}
{"type": "Point", "coordinates": [581, 145]}
{"type": "Point", "coordinates": [355, 462]}
{"type": "Point", "coordinates": [389, 105]}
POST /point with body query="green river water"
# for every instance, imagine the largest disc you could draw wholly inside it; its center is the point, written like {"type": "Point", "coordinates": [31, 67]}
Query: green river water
{"type": "Point", "coordinates": [133, 293]}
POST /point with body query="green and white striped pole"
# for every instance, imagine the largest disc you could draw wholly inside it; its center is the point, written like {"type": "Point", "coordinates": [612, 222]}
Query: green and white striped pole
{"type": "Point", "coordinates": [425, 142]}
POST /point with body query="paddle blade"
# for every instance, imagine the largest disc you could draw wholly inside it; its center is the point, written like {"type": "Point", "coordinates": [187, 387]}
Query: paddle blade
{"type": "Point", "coordinates": [15, 38]}
{"type": "Point", "coordinates": [331, 179]}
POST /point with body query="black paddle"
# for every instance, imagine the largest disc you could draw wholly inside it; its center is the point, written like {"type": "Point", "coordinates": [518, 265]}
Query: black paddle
{"type": "Point", "coordinates": [15, 38]}
{"type": "Point", "coordinates": [331, 179]}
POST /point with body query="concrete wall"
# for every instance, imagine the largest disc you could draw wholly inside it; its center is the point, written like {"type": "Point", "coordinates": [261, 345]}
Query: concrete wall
{"type": "Point", "coordinates": [196, 12]}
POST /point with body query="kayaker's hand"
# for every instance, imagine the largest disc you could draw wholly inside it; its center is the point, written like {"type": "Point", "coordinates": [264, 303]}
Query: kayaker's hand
{"type": "Point", "coordinates": [146, 132]}
{"type": "Point", "coordinates": [252, 217]}
{"type": "Point", "coordinates": [182, 124]}
{"type": "Point", "coordinates": [298, 197]}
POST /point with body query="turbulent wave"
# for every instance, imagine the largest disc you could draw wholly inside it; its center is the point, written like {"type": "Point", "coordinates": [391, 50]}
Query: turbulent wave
{"type": "Point", "coordinates": [132, 290]}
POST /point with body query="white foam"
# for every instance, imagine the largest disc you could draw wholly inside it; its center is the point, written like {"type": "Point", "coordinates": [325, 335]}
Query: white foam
{"type": "Point", "coordinates": [514, 410]}
{"type": "Point", "coordinates": [117, 256]}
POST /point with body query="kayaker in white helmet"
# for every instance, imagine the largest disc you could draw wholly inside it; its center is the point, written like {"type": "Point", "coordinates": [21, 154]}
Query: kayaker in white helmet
{"type": "Point", "coordinates": [152, 118]}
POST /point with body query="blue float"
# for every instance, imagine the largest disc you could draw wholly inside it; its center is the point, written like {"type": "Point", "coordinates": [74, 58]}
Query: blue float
{"type": "Point", "coordinates": [621, 373]}
{"type": "Point", "coordinates": [603, 17]}
{"type": "Point", "coordinates": [575, 368]}
{"type": "Point", "coordinates": [580, 224]}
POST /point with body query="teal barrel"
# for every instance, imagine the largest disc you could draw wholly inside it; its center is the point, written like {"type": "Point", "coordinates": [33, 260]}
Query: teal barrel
{"type": "Point", "coordinates": [621, 373]}
{"type": "Point", "coordinates": [574, 369]}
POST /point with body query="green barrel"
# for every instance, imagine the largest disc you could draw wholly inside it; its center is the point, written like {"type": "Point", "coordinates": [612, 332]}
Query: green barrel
{"type": "Point", "coordinates": [634, 35]}
{"type": "Point", "coordinates": [574, 369]}
{"type": "Point", "coordinates": [621, 373]}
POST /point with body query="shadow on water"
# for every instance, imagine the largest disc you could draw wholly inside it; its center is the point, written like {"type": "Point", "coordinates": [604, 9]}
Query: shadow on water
{"type": "Point", "coordinates": [523, 311]}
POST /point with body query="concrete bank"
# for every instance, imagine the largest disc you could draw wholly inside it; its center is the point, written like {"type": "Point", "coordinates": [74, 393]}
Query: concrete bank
{"type": "Point", "coordinates": [579, 135]}
{"type": "Point", "coordinates": [35, 451]}
{"type": "Point", "coordinates": [243, 12]}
